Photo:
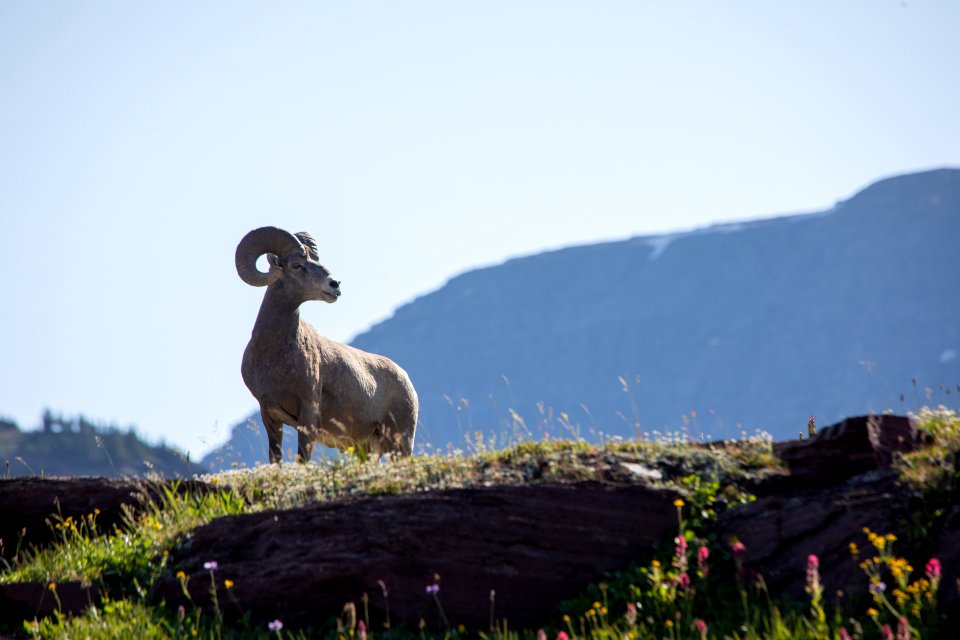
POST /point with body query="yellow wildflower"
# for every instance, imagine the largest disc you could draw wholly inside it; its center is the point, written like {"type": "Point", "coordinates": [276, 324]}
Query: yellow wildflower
{"type": "Point", "coordinates": [52, 586]}
{"type": "Point", "coordinates": [873, 613]}
{"type": "Point", "coordinates": [678, 502]}
{"type": "Point", "coordinates": [596, 605]}
{"type": "Point", "coordinates": [655, 564]}
{"type": "Point", "coordinates": [668, 624]}
{"type": "Point", "coordinates": [181, 575]}
{"type": "Point", "coordinates": [228, 584]}
{"type": "Point", "coordinates": [854, 549]}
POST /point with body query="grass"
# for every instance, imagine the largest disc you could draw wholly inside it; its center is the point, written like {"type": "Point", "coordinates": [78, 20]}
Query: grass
{"type": "Point", "coordinates": [695, 588]}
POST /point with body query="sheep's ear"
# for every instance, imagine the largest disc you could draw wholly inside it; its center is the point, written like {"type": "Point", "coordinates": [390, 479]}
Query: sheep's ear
{"type": "Point", "coordinates": [309, 243]}
{"type": "Point", "coordinates": [274, 260]}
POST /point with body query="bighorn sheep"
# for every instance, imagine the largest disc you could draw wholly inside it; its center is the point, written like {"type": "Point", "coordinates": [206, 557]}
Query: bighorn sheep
{"type": "Point", "coordinates": [332, 393]}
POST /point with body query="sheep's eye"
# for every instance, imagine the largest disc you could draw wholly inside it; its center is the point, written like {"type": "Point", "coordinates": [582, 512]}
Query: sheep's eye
{"type": "Point", "coordinates": [295, 265]}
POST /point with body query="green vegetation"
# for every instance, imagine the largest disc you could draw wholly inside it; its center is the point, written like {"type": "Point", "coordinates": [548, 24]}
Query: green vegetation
{"type": "Point", "coordinates": [694, 588]}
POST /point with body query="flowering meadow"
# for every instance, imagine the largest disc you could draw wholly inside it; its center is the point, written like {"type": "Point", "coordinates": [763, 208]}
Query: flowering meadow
{"type": "Point", "coordinates": [694, 585]}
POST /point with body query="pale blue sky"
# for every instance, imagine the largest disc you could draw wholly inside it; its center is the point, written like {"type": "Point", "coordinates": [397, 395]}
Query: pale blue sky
{"type": "Point", "coordinates": [139, 141]}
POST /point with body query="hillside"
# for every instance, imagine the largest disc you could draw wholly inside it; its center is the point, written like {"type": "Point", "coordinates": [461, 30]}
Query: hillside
{"type": "Point", "coordinates": [80, 448]}
{"type": "Point", "coordinates": [736, 327]}
{"type": "Point", "coordinates": [628, 539]}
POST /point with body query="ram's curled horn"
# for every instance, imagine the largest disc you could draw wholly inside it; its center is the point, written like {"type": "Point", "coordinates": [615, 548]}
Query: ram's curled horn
{"type": "Point", "coordinates": [258, 242]}
{"type": "Point", "coordinates": [309, 243]}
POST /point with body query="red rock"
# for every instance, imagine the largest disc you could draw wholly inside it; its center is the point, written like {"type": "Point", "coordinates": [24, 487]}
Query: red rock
{"type": "Point", "coordinates": [534, 545]}
{"type": "Point", "coordinates": [847, 449]}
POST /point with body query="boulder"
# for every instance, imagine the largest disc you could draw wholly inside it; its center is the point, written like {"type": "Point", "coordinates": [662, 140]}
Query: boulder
{"type": "Point", "coordinates": [532, 546]}
{"type": "Point", "coordinates": [851, 447]}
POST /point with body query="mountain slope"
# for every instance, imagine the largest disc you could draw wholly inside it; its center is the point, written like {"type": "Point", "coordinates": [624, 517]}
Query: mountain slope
{"type": "Point", "coordinates": [750, 326]}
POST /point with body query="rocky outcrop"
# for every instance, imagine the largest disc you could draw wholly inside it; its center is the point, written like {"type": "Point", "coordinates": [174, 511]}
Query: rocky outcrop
{"type": "Point", "coordinates": [532, 545]}
{"type": "Point", "coordinates": [849, 448]}
{"type": "Point", "coordinates": [840, 481]}
{"type": "Point", "coordinates": [28, 505]}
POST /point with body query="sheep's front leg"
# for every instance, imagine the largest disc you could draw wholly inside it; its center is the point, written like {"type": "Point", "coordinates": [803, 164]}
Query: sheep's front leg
{"type": "Point", "coordinates": [307, 431]}
{"type": "Point", "coordinates": [274, 436]}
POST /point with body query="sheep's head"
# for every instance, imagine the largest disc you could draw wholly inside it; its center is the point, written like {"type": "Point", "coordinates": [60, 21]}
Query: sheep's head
{"type": "Point", "coordinates": [292, 260]}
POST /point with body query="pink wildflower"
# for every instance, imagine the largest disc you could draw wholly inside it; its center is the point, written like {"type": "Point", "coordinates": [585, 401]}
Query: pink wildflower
{"type": "Point", "coordinates": [541, 634]}
{"type": "Point", "coordinates": [701, 627]}
{"type": "Point", "coordinates": [702, 554]}
{"type": "Point", "coordinates": [362, 630]}
{"type": "Point", "coordinates": [563, 636]}
{"type": "Point", "coordinates": [683, 581]}
{"type": "Point", "coordinates": [903, 629]}
{"type": "Point", "coordinates": [813, 562]}
{"type": "Point", "coordinates": [738, 548]}
{"type": "Point", "coordinates": [631, 615]}
{"type": "Point", "coordinates": [886, 632]}
{"type": "Point", "coordinates": [934, 569]}
{"type": "Point", "coordinates": [844, 635]}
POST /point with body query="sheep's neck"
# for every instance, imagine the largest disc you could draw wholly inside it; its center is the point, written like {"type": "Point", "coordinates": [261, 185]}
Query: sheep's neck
{"type": "Point", "coordinates": [279, 316]}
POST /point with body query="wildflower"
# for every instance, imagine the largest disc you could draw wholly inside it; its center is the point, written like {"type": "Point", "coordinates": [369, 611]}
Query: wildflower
{"type": "Point", "coordinates": [276, 625]}
{"type": "Point", "coordinates": [566, 618]}
{"type": "Point", "coordinates": [52, 586]}
{"type": "Point", "coordinates": [903, 629]}
{"type": "Point", "coordinates": [873, 613]}
{"type": "Point", "coordinates": [878, 587]}
{"type": "Point", "coordinates": [563, 636]}
{"type": "Point", "coordinates": [631, 615]}
{"type": "Point", "coordinates": [701, 627]}
{"type": "Point", "coordinates": [362, 630]}
{"type": "Point", "coordinates": [738, 548]}
{"type": "Point", "coordinates": [181, 575]}
{"type": "Point", "coordinates": [211, 565]}
{"type": "Point", "coordinates": [683, 581]}
{"type": "Point", "coordinates": [181, 613]}
{"type": "Point", "coordinates": [228, 584]}
{"type": "Point", "coordinates": [596, 605]}
{"type": "Point", "coordinates": [433, 588]}
{"type": "Point", "coordinates": [844, 635]}
{"type": "Point", "coordinates": [541, 634]}
{"type": "Point", "coordinates": [854, 549]}
{"type": "Point", "coordinates": [678, 503]}
{"type": "Point", "coordinates": [668, 624]}
{"type": "Point", "coordinates": [886, 632]}
{"type": "Point", "coordinates": [814, 588]}
{"type": "Point", "coordinates": [655, 564]}
{"type": "Point", "coordinates": [702, 554]}
{"type": "Point", "coordinates": [933, 570]}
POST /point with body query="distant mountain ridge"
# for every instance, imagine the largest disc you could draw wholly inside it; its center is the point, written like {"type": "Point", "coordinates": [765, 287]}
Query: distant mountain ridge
{"type": "Point", "coordinates": [751, 325]}
{"type": "Point", "coordinates": [721, 330]}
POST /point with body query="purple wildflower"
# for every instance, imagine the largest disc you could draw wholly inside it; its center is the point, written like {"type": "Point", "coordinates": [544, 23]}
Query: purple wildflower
{"type": "Point", "coordinates": [276, 625]}
{"type": "Point", "coordinates": [211, 565]}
